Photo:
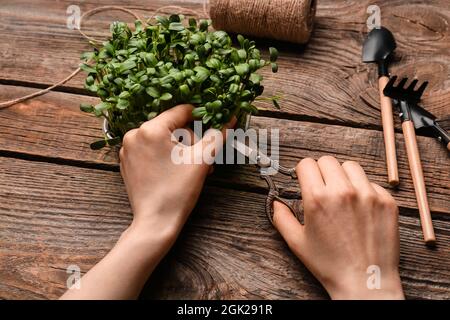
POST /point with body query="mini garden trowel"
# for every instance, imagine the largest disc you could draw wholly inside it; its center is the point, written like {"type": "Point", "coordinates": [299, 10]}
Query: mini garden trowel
{"type": "Point", "coordinates": [378, 48]}
{"type": "Point", "coordinates": [407, 99]}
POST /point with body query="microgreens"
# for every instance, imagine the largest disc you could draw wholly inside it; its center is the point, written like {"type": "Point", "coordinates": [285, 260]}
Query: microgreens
{"type": "Point", "coordinates": [139, 74]}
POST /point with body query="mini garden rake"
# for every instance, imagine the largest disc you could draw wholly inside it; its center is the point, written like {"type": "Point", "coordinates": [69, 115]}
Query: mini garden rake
{"type": "Point", "coordinates": [407, 98]}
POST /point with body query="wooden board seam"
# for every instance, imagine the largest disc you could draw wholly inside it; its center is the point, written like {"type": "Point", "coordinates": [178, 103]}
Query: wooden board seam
{"type": "Point", "coordinates": [262, 112]}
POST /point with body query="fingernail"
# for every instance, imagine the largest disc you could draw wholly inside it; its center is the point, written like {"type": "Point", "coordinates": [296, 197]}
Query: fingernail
{"type": "Point", "coordinates": [232, 123]}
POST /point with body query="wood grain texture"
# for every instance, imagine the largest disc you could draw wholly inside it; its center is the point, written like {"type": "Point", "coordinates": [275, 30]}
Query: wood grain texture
{"type": "Point", "coordinates": [57, 209]}
{"type": "Point", "coordinates": [52, 216]}
{"type": "Point", "coordinates": [38, 49]}
{"type": "Point", "coordinates": [53, 127]}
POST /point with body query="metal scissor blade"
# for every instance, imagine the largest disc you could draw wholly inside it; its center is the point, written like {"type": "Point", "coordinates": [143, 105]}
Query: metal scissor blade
{"type": "Point", "coordinates": [242, 148]}
{"type": "Point", "coordinates": [253, 155]}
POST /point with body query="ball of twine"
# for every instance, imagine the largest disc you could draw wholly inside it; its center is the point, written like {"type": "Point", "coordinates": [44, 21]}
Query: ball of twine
{"type": "Point", "coordinates": [285, 20]}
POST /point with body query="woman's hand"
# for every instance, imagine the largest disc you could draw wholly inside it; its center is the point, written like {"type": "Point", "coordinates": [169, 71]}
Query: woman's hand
{"type": "Point", "coordinates": [350, 236]}
{"type": "Point", "coordinates": [162, 193]}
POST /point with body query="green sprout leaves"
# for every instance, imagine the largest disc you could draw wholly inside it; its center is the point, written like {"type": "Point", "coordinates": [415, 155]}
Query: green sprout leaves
{"type": "Point", "coordinates": [273, 58]}
{"type": "Point", "coordinates": [139, 74]}
{"type": "Point", "coordinates": [273, 54]}
{"type": "Point", "coordinates": [106, 142]}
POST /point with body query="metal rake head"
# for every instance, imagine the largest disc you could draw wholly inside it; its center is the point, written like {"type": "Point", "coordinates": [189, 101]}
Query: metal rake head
{"type": "Point", "coordinates": [402, 93]}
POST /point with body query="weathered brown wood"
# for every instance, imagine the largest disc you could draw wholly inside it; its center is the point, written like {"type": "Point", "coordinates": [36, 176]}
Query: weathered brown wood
{"type": "Point", "coordinates": [56, 214]}
{"type": "Point", "coordinates": [53, 127]}
{"type": "Point", "coordinates": [326, 81]}
{"type": "Point", "coordinates": [52, 216]}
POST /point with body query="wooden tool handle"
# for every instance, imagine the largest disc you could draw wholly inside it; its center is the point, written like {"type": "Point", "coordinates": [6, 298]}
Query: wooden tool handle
{"type": "Point", "coordinates": [448, 146]}
{"type": "Point", "coordinates": [387, 119]}
{"type": "Point", "coordinates": [419, 183]}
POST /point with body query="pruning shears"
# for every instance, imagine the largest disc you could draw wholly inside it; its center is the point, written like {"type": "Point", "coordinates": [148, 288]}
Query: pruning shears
{"type": "Point", "coordinates": [268, 168]}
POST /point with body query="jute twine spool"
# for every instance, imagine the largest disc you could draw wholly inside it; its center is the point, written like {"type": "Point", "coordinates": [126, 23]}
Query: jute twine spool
{"type": "Point", "coordinates": [285, 20]}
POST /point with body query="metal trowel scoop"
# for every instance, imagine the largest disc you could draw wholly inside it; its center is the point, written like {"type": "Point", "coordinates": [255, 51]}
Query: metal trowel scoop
{"type": "Point", "coordinates": [377, 48]}
{"type": "Point", "coordinates": [424, 120]}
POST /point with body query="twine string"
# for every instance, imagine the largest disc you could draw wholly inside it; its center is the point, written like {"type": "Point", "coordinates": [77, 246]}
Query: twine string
{"type": "Point", "coordinates": [103, 9]}
{"type": "Point", "coordinates": [277, 19]}
{"type": "Point", "coordinates": [285, 20]}
{"type": "Point", "coordinates": [87, 14]}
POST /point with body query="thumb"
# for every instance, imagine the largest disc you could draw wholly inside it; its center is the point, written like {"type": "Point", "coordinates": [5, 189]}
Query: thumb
{"type": "Point", "coordinates": [176, 117]}
{"type": "Point", "coordinates": [212, 135]}
{"type": "Point", "coordinates": [288, 226]}
{"type": "Point", "coordinates": [212, 142]}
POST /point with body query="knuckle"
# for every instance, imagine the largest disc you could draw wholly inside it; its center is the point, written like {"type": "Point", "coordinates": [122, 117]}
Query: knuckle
{"type": "Point", "coordinates": [390, 204]}
{"type": "Point", "coordinates": [313, 204]}
{"type": "Point", "coordinates": [347, 193]}
{"type": "Point", "coordinates": [128, 138]}
{"type": "Point", "coordinates": [317, 198]}
{"type": "Point", "coordinates": [369, 197]}
{"type": "Point", "coordinates": [152, 130]}
{"type": "Point", "coordinates": [146, 127]}
{"type": "Point", "coordinates": [317, 194]}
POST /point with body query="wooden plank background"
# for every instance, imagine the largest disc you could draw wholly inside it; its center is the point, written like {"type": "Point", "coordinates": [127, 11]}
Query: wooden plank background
{"type": "Point", "coordinates": [62, 203]}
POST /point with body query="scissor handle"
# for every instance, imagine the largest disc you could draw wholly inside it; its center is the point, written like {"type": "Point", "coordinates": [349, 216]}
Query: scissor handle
{"type": "Point", "coordinates": [283, 170]}
{"type": "Point", "coordinates": [274, 194]}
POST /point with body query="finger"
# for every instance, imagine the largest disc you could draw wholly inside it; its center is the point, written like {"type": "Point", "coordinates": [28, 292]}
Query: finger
{"type": "Point", "coordinates": [121, 154]}
{"type": "Point", "coordinates": [288, 226]}
{"type": "Point", "coordinates": [191, 139]}
{"type": "Point", "coordinates": [212, 142]}
{"type": "Point", "coordinates": [332, 172]}
{"type": "Point", "coordinates": [209, 146]}
{"type": "Point", "coordinates": [309, 177]}
{"type": "Point", "coordinates": [381, 191]}
{"type": "Point", "coordinates": [176, 117]}
{"type": "Point", "coordinates": [229, 125]}
{"type": "Point", "coordinates": [121, 166]}
{"type": "Point", "coordinates": [386, 197]}
{"type": "Point", "coordinates": [357, 176]}
{"type": "Point", "coordinates": [129, 138]}
{"type": "Point", "coordinates": [196, 135]}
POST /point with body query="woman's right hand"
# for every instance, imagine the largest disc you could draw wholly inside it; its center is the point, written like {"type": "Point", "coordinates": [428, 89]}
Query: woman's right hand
{"type": "Point", "coordinates": [350, 237]}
